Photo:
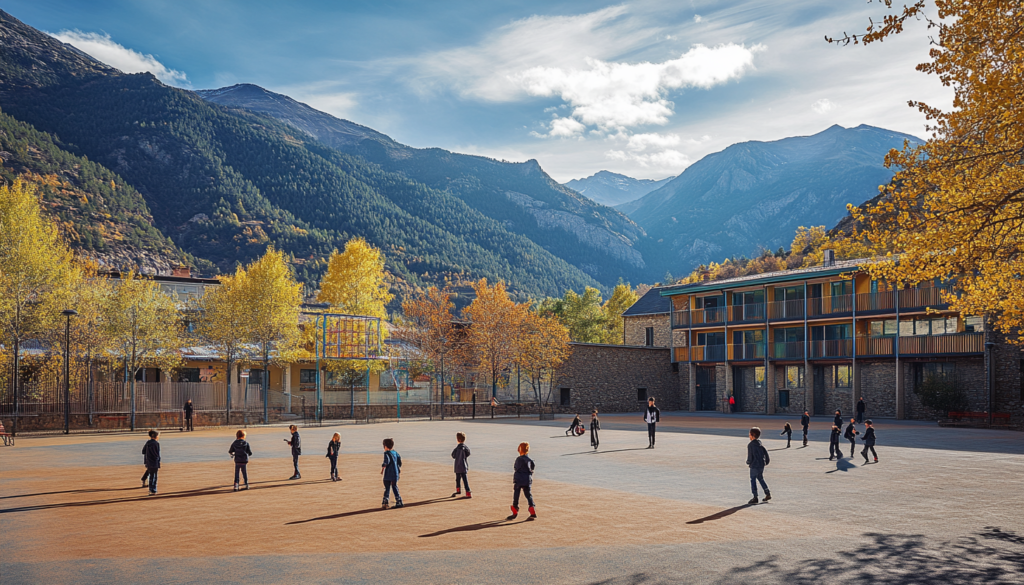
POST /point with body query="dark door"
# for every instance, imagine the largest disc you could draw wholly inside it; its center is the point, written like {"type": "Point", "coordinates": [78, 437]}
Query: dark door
{"type": "Point", "coordinates": [819, 389]}
{"type": "Point", "coordinates": [738, 388]}
{"type": "Point", "coordinates": [706, 388]}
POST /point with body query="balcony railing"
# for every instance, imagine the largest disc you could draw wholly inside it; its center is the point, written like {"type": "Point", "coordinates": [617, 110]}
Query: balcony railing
{"type": "Point", "coordinates": [869, 346]}
{"type": "Point", "coordinates": [832, 348]}
{"type": "Point", "coordinates": [745, 313]}
{"type": "Point", "coordinates": [788, 350]}
{"type": "Point", "coordinates": [680, 319]}
{"type": "Point", "coordinates": [954, 343]}
{"type": "Point", "coordinates": [746, 351]}
{"type": "Point", "coordinates": [823, 306]}
{"type": "Point", "coordinates": [875, 302]}
{"type": "Point", "coordinates": [931, 296]}
{"type": "Point", "coordinates": [682, 354]}
{"type": "Point", "coordinates": [707, 353]}
{"type": "Point", "coordinates": [713, 315]}
{"type": "Point", "coordinates": [784, 310]}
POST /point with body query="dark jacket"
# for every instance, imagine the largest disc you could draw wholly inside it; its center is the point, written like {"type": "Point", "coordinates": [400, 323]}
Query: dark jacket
{"type": "Point", "coordinates": [333, 448]}
{"type": "Point", "coordinates": [838, 420]}
{"type": "Point", "coordinates": [240, 450]}
{"type": "Point", "coordinates": [460, 454]}
{"type": "Point", "coordinates": [188, 410]}
{"type": "Point", "coordinates": [151, 454]}
{"type": "Point", "coordinates": [834, 437]}
{"type": "Point", "coordinates": [805, 420]}
{"type": "Point", "coordinates": [595, 424]}
{"type": "Point", "coordinates": [787, 430]}
{"type": "Point", "coordinates": [869, 436]}
{"type": "Point", "coordinates": [296, 444]}
{"type": "Point", "coordinates": [392, 465]}
{"type": "Point", "coordinates": [757, 455]}
{"type": "Point", "coordinates": [523, 475]}
{"type": "Point", "coordinates": [860, 406]}
{"type": "Point", "coordinates": [654, 412]}
{"type": "Point", "coordinates": [851, 431]}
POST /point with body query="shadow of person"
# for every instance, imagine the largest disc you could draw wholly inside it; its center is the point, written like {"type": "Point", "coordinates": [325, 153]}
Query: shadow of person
{"type": "Point", "coordinates": [719, 515]}
{"type": "Point", "coordinates": [593, 451]}
{"type": "Point", "coordinates": [842, 465]}
{"type": "Point", "coordinates": [473, 527]}
{"type": "Point", "coordinates": [370, 510]}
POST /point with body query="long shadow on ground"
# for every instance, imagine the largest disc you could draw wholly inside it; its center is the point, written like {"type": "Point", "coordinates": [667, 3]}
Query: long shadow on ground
{"type": "Point", "coordinates": [719, 515]}
{"type": "Point", "coordinates": [370, 510]}
{"type": "Point", "coordinates": [474, 527]}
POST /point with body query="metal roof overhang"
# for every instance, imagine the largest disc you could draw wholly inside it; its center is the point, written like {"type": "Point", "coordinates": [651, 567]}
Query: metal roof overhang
{"type": "Point", "coordinates": [687, 289]}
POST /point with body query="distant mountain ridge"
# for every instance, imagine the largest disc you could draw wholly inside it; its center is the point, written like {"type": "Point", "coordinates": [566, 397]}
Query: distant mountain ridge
{"type": "Point", "coordinates": [755, 194]}
{"type": "Point", "coordinates": [613, 189]}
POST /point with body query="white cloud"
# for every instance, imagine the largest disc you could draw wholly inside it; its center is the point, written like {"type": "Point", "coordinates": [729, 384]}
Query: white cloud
{"type": "Point", "coordinates": [669, 160]}
{"type": "Point", "coordinates": [617, 96]}
{"type": "Point", "coordinates": [698, 18]}
{"type": "Point", "coordinates": [104, 49]}
{"type": "Point", "coordinates": [564, 128]}
{"type": "Point", "coordinates": [641, 142]}
{"type": "Point", "coordinates": [823, 105]}
{"type": "Point", "coordinates": [339, 104]}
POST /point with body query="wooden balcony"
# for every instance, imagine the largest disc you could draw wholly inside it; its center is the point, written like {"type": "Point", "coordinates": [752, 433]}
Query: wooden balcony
{"type": "Point", "coordinates": [786, 310]}
{"type": "Point", "coordinates": [708, 353]}
{"type": "Point", "coordinates": [788, 350]}
{"type": "Point", "coordinates": [746, 351]}
{"type": "Point", "coordinates": [680, 319]}
{"type": "Point", "coordinates": [831, 348]}
{"type": "Point", "coordinates": [879, 302]}
{"type": "Point", "coordinates": [750, 313]}
{"type": "Point", "coordinates": [920, 298]}
{"type": "Point", "coordinates": [712, 316]}
{"type": "Point", "coordinates": [829, 306]}
{"type": "Point", "coordinates": [952, 344]}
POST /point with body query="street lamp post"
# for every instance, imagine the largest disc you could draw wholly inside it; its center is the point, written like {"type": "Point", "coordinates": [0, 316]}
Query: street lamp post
{"type": "Point", "coordinates": [68, 313]}
{"type": "Point", "coordinates": [444, 340]}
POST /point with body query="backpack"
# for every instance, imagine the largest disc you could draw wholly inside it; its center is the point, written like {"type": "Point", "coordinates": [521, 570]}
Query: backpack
{"type": "Point", "coordinates": [767, 458]}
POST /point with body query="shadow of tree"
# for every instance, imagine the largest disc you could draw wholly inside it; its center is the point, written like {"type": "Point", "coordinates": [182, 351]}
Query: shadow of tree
{"type": "Point", "coordinates": [993, 556]}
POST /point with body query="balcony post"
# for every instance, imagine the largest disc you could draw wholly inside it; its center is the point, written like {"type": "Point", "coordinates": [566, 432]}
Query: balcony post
{"type": "Point", "coordinates": [728, 366]}
{"type": "Point", "coordinates": [769, 379]}
{"type": "Point", "coordinates": [808, 378]}
{"type": "Point", "coordinates": [900, 414]}
{"type": "Point", "coordinates": [855, 382]}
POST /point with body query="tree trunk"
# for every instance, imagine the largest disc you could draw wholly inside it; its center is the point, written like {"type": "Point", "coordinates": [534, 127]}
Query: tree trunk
{"type": "Point", "coordinates": [227, 397]}
{"type": "Point", "coordinates": [16, 378]}
{"type": "Point", "coordinates": [265, 384]}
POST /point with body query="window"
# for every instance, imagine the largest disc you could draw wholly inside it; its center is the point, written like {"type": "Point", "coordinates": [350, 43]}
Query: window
{"type": "Point", "coordinates": [789, 335]}
{"type": "Point", "coordinates": [842, 376]}
{"type": "Point", "coordinates": [307, 376]}
{"type": "Point", "coordinates": [794, 376]}
{"type": "Point", "coordinates": [759, 377]}
{"type": "Point", "coordinates": [641, 394]}
{"type": "Point", "coordinates": [783, 398]}
{"type": "Point", "coordinates": [973, 324]}
{"type": "Point", "coordinates": [927, 370]}
{"type": "Point", "coordinates": [565, 395]}
{"type": "Point", "coordinates": [841, 288]}
{"type": "Point", "coordinates": [748, 298]}
{"type": "Point", "coordinates": [649, 336]}
{"type": "Point", "coordinates": [255, 377]}
{"type": "Point", "coordinates": [906, 328]}
{"type": "Point", "coordinates": [713, 338]}
{"type": "Point", "coordinates": [188, 375]}
{"type": "Point", "coordinates": [789, 293]}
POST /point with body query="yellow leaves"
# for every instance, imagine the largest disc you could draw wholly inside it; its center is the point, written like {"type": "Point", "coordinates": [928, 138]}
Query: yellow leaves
{"type": "Point", "coordinates": [355, 282]}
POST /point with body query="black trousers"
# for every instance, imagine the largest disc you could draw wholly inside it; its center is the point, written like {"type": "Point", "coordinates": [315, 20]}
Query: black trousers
{"type": "Point", "coordinates": [245, 474]}
{"type": "Point", "coordinates": [865, 451]}
{"type": "Point", "coordinates": [805, 435]}
{"type": "Point", "coordinates": [334, 465]}
{"type": "Point", "coordinates": [464, 479]}
{"type": "Point", "coordinates": [594, 440]}
{"type": "Point", "coordinates": [853, 446]}
{"type": "Point", "coordinates": [833, 450]}
{"type": "Point", "coordinates": [152, 479]}
{"type": "Point", "coordinates": [860, 417]}
{"type": "Point", "coordinates": [789, 438]}
{"type": "Point", "coordinates": [526, 490]}
{"type": "Point", "coordinates": [650, 432]}
{"type": "Point", "coordinates": [188, 423]}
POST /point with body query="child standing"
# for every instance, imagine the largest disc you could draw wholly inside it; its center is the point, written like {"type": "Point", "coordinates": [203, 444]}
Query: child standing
{"type": "Point", "coordinates": [240, 451]}
{"type": "Point", "coordinates": [460, 455]}
{"type": "Point", "coordinates": [333, 448]}
{"type": "Point", "coordinates": [595, 425]}
{"type": "Point", "coordinates": [851, 435]}
{"type": "Point", "coordinates": [522, 480]}
{"type": "Point", "coordinates": [390, 469]}
{"type": "Point", "coordinates": [869, 441]}
{"type": "Point", "coordinates": [833, 444]}
{"type": "Point", "coordinates": [296, 445]}
{"type": "Point", "coordinates": [805, 421]}
{"type": "Point", "coordinates": [788, 431]}
{"type": "Point", "coordinates": [151, 455]}
{"type": "Point", "coordinates": [757, 459]}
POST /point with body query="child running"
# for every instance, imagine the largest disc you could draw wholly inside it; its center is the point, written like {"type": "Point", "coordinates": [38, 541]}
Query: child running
{"type": "Point", "coordinates": [595, 425]}
{"type": "Point", "coordinates": [522, 480]}
{"type": "Point", "coordinates": [788, 431]}
{"type": "Point", "coordinates": [460, 454]}
{"type": "Point", "coordinates": [241, 451]}
{"type": "Point", "coordinates": [869, 441]}
{"type": "Point", "coordinates": [333, 448]}
{"type": "Point", "coordinates": [390, 469]}
{"type": "Point", "coordinates": [851, 435]}
{"type": "Point", "coordinates": [757, 460]}
{"type": "Point", "coordinates": [833, 444]}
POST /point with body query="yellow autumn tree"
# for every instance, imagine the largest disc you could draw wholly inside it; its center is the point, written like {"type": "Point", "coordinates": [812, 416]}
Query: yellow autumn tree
{"type": "Point", "coordinates": [541, 345]}
{"type": "Point", "coordinates": [34, 261]}
{"type": "Point", "coordinates": [490, 339]}
{"type": "Point", "coordinates": [956, 207]}
{"type": "Point", "coordinates": [431, 330]}
{"type": "Point", "coordinates": [622, 298]}
{"type": "Point", "coordinates": [143, 328]}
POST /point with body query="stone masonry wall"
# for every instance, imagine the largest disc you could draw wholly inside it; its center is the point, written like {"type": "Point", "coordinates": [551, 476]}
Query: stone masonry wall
{"type": "Point", "coordinates": [750, 399]}
{"type": "Point", "coordinates": [636, 329]}
{"type": "Point", "coordinates": [970, 372]}
{"type": "Point", "coordinates": [607, 377]}
{"type": "Point", "coordinates": [878, 388]}
{"type": "Point", "coordinates": [797, 396]}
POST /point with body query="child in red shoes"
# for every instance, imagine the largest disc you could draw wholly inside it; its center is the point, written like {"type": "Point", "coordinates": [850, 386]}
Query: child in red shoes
{"type": "Point", "coordinates": [522, 479]}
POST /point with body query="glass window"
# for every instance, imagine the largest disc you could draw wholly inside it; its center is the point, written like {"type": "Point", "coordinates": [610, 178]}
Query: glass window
{"type": "Point", "coordinates": [973, 324]}
{"type": "Point", "coordinates": [951, 324]}
{"type": "Point", "coordinates": [641, 394]}
{"type": "Point", "coordinates": [922, 327]}
{"type": "Point", "coordinates": [307, 376]}
{"type": "Point", "coordinates": [841, 288]}
{"type": "Point", "coordinates": [759, 377]}
{"type": "Point", "coordinates": [794, 376]}
{"type": "Point", "coordinates": [843, 376]}
{"type": "Point", "coordinates": [783, 398]}
{"type": "Point", "coordinates": [890, 327]}
{"type": "Point", "coordinates": [875, 328]}
{"type": "Point", "coordinates": [906, 328]}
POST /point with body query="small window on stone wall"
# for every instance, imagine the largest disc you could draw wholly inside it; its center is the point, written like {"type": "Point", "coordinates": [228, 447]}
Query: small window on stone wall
{"type": "Point", "coordinates": [843, 376]}
{"type": "Point", "coordinates": [794, 376]}
{"type": "Point", "coordinates": [649, 337]}
{"type": "Point", "coordinates": [641, 394]}
{"type": "Point", "coordinates": [759, 377]}
{"type": "Point", "coordinates": [783, 398]}
{"type": "Point", "coordinates": [565, 396]}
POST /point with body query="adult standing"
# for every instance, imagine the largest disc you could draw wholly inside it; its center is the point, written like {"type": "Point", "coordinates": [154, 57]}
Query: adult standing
{"type": "Point", "coordinates": [805, 421]}
{"type": "Point", "coordinates": [188, 414]}
{"type": "Point", "coordinates": [652, 416]}
{"type": "Point", "coordinates": [861, 407]}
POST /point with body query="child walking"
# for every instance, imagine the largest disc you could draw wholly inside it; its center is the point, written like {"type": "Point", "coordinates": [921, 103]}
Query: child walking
{"type": "Point", "coordinates": [460, 454]}
{"type": "Point", "coordinates": [869, 441]}
{"type": "Point", "coordinates": [522, 480]}
{"type": "Point", "coordinates": [390, 469]}
{"type": "Point", "coordinates": [757, 460]}
{"type": "Point", "coordinates": [151, 455]}
{"type": "Point", "coordinates": [833, 444]}
{"type": "Point", "coordinates": [595, 425]}
{"type": "Point", "coordinates": [241, 451]}
{"type": "Point", "coordinates": [851, 435]}
{"type": "Point", "coordinates": [788, 431]}
{"type": "Point", "coordinates": [805, 421]}
{"type": "Point", "coordinates": [333, 448]}
{"type": "Point", "coordinates": [296, 445]}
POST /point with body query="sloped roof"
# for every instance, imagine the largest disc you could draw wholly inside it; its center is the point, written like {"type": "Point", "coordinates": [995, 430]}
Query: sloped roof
{"type": "Point", "coordinates": [840, 266]}
{"type": "Point", "coordinates": [652, 303]}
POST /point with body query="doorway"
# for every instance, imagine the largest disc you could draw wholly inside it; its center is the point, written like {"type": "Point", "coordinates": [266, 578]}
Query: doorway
{"type": "Point", "coordinates": [706, 388]}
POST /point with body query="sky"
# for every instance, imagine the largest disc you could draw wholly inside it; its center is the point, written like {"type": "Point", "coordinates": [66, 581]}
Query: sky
{"type": "Point", "coordinates": [642, 88]}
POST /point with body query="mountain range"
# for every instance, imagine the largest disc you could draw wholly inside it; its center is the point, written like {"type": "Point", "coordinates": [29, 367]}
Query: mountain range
{"type": "Point", "coordinates": [608, 188]}
{"type": "Point", "coordinates": [146, 173]}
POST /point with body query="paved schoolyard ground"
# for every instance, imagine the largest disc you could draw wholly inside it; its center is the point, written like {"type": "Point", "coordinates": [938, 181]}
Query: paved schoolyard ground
{"type": "Point", "coordinates": [941, 506]}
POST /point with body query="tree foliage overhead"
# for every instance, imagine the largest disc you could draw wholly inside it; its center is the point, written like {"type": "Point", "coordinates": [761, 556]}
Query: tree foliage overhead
{"type": "Point", "coordinates": [956, 207]}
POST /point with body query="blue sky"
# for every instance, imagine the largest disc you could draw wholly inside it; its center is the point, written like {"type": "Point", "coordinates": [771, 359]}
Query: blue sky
{"type": "Point", "coordinates": [644, 88]}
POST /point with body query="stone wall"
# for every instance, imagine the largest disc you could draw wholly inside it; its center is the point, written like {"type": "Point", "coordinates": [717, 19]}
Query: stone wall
{"type": "Point", "coordinates": [607, 377]}
{"type": "Point", "coordinates": [749, 399]}
{"type": "Point", "coordinates": [797, 396]}
{"type": "Point", "coordinates": [1009, 375]}
{"type": "Point", "coordinates": [878, 388]}
{"type": "Point", "coordinates": [636, 329]}
{"type": "Point", "coordinates": [970, 372]}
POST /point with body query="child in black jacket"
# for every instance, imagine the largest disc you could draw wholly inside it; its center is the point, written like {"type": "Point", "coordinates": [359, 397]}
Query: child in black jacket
{"type": "Point", "coordinates": [805, 421]}
{"type": "Point", "coordinates": [522, 480]}
{"type": "Point", "coordinates": [833, 444]}
{"type": "Point", "coordinates": [869, 441]}
{"type": "Point", "coordinates": [788, 431]}
{"type": "Point", "coordinates": [757, 460]}
{"type": "Point", "coordinates": [333, 449]}
{"type": "Point", "coordinates": [595, 426]}
{"type": "Point", "coordinates": [851, 436]}
{"type": "Point", "coordinates": [151, 454]}
{"type": "Point", "coordinates": [240, 451]}
{"type": "Point", "coordinates": [460, 454]}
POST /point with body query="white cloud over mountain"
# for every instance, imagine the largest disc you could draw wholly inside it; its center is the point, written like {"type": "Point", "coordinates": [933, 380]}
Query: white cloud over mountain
{"type": "Point", "coordinates": [103, 48]}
